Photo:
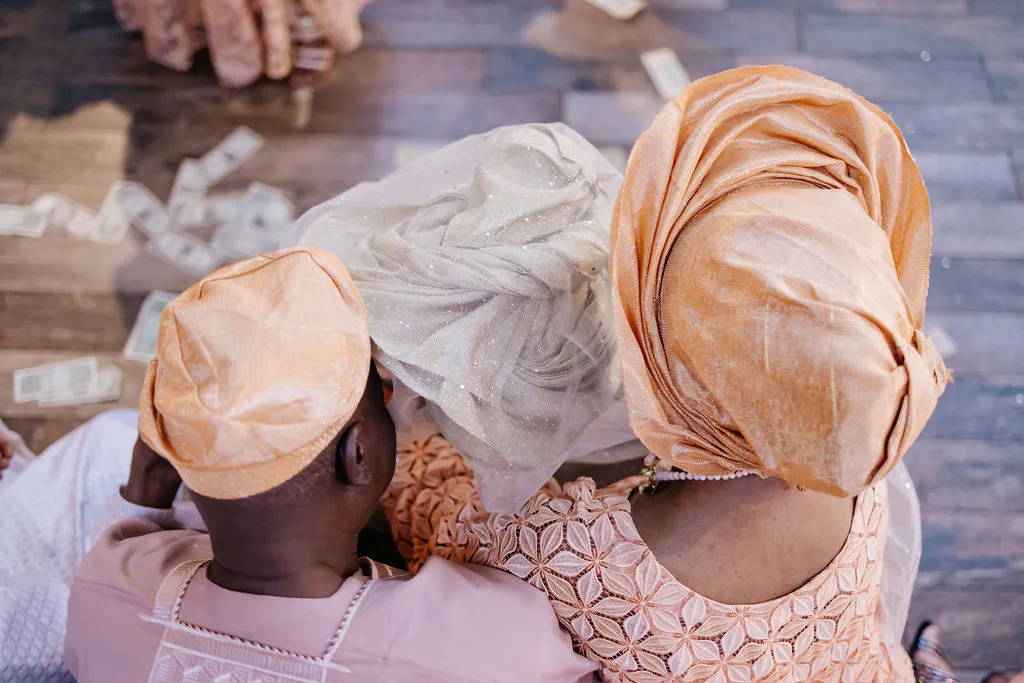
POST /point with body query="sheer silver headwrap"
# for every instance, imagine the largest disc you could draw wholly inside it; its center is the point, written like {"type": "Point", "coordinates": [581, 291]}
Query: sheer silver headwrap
{"type": "Point", "coordinates": [484, 269]}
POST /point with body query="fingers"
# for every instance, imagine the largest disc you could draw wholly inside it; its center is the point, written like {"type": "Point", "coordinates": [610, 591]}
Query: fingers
{"type": "Point", "coordinates": [234, 41]}
{"type": "Point", "coordinates": [165, 35]}
{"type": "Point", "coordinates": [339, 20]}
{"type": "Point", "coordinates": [276, 38]}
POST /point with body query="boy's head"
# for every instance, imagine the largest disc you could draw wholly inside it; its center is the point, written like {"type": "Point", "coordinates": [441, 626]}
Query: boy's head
{"type": "Point", "coordinates": [264, 398]}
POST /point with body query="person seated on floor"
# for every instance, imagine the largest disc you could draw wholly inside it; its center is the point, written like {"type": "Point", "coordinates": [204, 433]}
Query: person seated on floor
{"type": "Point", "coordinates": [264, 402]}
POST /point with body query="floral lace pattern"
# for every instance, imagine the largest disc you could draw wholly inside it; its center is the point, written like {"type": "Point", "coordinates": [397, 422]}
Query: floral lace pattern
{"type": "Point", "coordinates": [623, 609]}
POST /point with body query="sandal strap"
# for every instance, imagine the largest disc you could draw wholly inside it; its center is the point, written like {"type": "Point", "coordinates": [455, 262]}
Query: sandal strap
{"type": "Point", "coordinates": [926, 673]}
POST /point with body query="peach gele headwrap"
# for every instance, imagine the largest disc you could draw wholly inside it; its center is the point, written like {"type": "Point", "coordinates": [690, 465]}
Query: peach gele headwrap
{"type": "Point", "coordinates": [258, 367]}
{"type": "Point", "coordinates": [770, 253]}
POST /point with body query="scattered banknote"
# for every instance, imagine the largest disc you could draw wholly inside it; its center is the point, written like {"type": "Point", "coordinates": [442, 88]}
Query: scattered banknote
{"type": "Point", "coordinates": [218, 209]}
{"type": "Point", "coordinates": [262, 221]}
{"type": "Point", "coordinates": [106, 386]}
{"type": "Point", "coordinates": [141, 346]}
{"type": "Point", "coordinates": [143, 208]}
{"type": "Point", "coordinates": [112, 222]}
{"type": "Point", "coordinates": [71, 217]}
{"type": "Point", "coordinates": [620, 9]}
{"type": "Point", "coordinates": [229, 154]}
{"type": "Point", "coordinates": [185, 203]}
{"type": "Point", "coordinates": [55, 379]}
{"type": "Point", "coordinates": [185, 252]}
{"type": "Point", "coordinates": [616, 156]}
{"type": "Point", "coordinates": [666, 72]}
{"type": "Point", "coordinates": [21, 221]}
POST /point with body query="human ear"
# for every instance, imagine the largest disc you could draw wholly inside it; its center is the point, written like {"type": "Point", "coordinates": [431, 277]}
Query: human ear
{"type": "Point", "coordinates": [351, 466]}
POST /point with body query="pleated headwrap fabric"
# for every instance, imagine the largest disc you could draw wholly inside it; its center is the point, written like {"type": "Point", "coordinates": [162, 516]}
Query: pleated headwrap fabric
{"type": "Point", "coordinates": [770, 253]}
{"type": "Point", "coordinates": [484, 268]}
{"type": "Point", "coordinates": [259, 366]}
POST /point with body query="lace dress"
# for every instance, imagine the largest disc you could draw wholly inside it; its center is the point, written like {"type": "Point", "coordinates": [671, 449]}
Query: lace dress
{"type": "Point", "coordinates": [623, 609]}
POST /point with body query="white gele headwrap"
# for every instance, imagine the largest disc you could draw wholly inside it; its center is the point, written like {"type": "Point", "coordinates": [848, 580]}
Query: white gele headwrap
{"type": "Point", "coordinates": [484, 269]}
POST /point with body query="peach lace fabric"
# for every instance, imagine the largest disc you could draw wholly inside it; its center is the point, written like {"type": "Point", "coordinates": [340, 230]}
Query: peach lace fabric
{"type": "Point", "coordinates": [622, 608]}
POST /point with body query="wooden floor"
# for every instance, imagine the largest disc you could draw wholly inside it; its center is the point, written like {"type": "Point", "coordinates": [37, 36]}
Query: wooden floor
{"type": "Point", "coordinates": [80, 107]}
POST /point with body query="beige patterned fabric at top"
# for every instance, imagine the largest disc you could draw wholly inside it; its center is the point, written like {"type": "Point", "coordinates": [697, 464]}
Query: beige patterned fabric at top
{"type": "Point", "coordinates": [627, 612]}
{"type": "Point", "coordinates": [258, 367]}
{"type": "Point", "coordinates": [770, 255]}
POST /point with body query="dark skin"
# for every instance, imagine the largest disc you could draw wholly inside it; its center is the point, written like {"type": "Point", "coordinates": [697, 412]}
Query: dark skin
{"type": "Point", "coordinates": [297, 540]}
{"type": "Point", "coordinates": [740, 541]}
{"type": "Point", "coordinates": [6, 453]}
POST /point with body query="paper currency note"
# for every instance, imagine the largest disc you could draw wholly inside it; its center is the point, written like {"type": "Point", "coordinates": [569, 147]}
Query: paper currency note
{"type": "Point", "coordinates": [21, 221]}
{"type": "Point", "coordinates": [112, 222]}
{"type": "Point", "coordinates": [229, 154]}
{"type": "Point", "coordinates": [71, 217]}
{"type": "Point", "coordinates": [620, 9]}
{"type": "Point", "coordinates": [184, 206]}
{"type": "Point", "coordinates": [106, 386]}
{"type": "Point", "coordinates": [141, 346]}
{"type": "Point", "coordinates": [263, 219]}
{"type": "Point", "coordinates": [185, 252]}
{"type": "Point", "coordinates": [666, 71]}
{"type": "Point", "coordinates": [143, 208]}
{"type": "Point", "coordinates": [44, 381]}
{"type": "Point", "coordinates": [218, 209]}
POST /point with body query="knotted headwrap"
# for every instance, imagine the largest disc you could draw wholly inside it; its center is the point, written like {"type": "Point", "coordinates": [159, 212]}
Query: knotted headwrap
{"type": "Point", "coordinates": [770, 254]}
{"type": "Point", "coordinates": [484, 267]}
{"type": "Point", "coordinates": [259, 366]}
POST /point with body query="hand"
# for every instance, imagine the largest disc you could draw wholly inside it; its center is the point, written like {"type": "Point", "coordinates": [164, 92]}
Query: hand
{"type": "Point", "coordinates": [6, 453]}
{"type": "Point", "coordinates": [152, 482]}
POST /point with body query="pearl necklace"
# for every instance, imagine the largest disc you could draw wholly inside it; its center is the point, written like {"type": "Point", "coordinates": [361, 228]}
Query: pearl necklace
{"type": "Point", "coordinates": [652, 475]}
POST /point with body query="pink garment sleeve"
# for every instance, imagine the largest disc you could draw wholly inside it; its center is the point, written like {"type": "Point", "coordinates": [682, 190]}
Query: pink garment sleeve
{"type": "Point", "coordinates": [129, 561]}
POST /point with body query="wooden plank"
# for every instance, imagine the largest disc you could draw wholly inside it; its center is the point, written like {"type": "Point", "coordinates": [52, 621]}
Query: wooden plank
{"type": "Point", "coordinates": [894, 79]}
{"type": "Point", "coordinates": [971, 409]}
{"type": "Point", "coordinates": [962, 284]}
{"type": "Point", "coordinates": [953, 474]}
{"type": "Point", "coordinates": [111, 59]}
{"type": "Point", "coordinates": [93, 16]}
{"type": "Point", "coordinates": [960, 126]}
{"type": "Point", "coordinates": [997, 7]}
{"type": "Point", "coordinates": [445, 24]}
{"type": "Point", "coordinates": [526, 69]}
{"type": "Point", "coordinates": [962, 176]}
{"type": "Point", "coordinates": [23, 99]}
{"type": "Point", "coordinates": [1007, 78]}
{"type": "Point", "coordinates": [64, 265]}
{"type": "Point", "coordinates": [749, 31]}
{"type": "Point", "coordinates": [689, 4]}
{"type": "Point", "coordinates": [981, 627]}
{"type": "Point", "coordinates": [11, 360]}
{"type": "Point", "coordinates": [24, 18]}
{"type": "Point", "coordinates": [988, 343]}
{"type": "Point", "coordinates": [411, 70]}
{"type": "Point", "coordinates": [910, 7]}
{"type": "Point", "coordinates": [441, 114]}
{"type": "Point", "coordinates": [66, 322]}
{"type": "Point", "coordinates": [40, 432]}
{"type": "Point", "coordinates": [857, 34]}
{"type": "Point", "coordinates": [972, 548]}
{"type": "Point", "coordinates": [978, 229]}
{"type": "Point", "coordinates": [607, 118]}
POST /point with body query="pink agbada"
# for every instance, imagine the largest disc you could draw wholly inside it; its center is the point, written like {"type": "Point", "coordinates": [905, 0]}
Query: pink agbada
{"type": "Point", "coordinates": [146, 582]}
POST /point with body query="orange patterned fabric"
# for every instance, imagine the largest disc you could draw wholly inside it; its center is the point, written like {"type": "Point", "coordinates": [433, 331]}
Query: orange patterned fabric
{"type": "Point", "coordinates": [623, 609]}
{"type": "Point", "coordinates": [770, 253]}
